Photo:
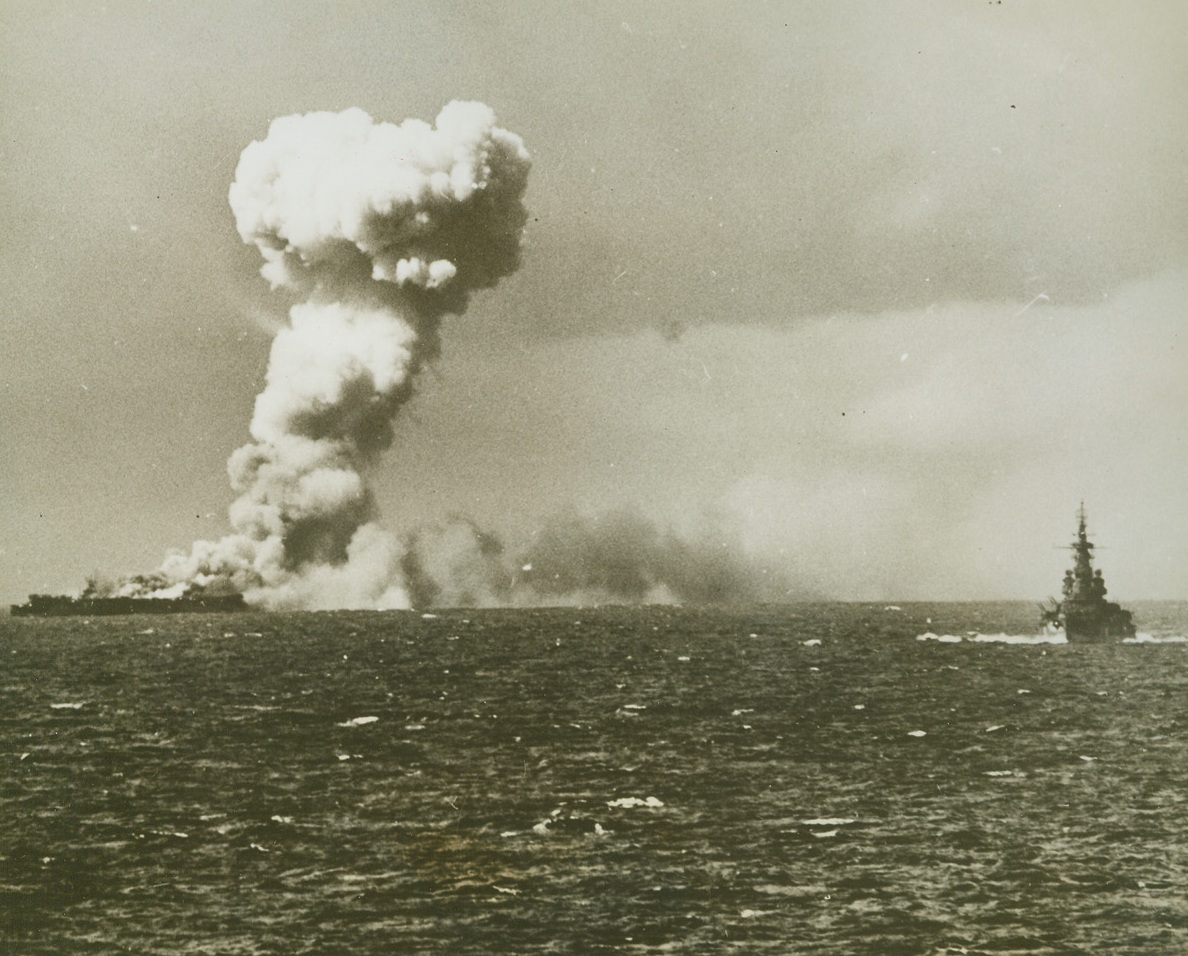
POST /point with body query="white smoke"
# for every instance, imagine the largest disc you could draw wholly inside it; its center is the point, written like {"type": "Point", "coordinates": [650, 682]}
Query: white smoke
{"type": "Point", "coordinates": [380, 229]}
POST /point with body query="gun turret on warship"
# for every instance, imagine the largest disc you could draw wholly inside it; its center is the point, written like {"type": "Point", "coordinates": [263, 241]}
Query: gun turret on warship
{"type": "Point", "coordinates": [1084, 614]}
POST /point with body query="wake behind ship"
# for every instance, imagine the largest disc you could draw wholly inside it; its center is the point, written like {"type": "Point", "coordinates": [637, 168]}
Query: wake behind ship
{"type": "Point", "coordinates": [61, 605]}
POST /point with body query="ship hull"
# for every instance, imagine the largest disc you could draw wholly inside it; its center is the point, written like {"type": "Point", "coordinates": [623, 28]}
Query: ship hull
{"type": "Point", "coordinates": [1097, 625]}
{"type": "Point", "coordinates": [48, 605]}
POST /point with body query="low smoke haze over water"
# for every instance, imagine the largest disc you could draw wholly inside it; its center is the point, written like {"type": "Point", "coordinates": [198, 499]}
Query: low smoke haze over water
{"type": "Point", "coordinates": [816, 778]}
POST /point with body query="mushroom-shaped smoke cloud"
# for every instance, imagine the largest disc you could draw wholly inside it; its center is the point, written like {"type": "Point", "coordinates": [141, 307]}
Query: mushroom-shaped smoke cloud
{"type": "Point", "coordinates": [380, 230]}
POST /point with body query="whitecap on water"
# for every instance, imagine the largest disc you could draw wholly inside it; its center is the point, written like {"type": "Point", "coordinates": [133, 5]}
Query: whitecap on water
{"type": "Point", "coordinates": [358, 721]}
{"type": "Point", "coordinates": [629, 802]}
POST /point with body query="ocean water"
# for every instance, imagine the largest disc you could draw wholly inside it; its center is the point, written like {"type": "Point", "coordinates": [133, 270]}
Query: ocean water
{"type": "Point", "coordinates": [824, 779]}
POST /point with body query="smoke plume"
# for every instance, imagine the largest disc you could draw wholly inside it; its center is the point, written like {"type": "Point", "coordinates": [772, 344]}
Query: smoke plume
{"type": "Point", "coordinates": [623, 557]}
{"type": "Point", "coordinates": [618, 557]}
{"type": "Point", "coordinates": [456, 564]}
{"type": "Point", "coordinates": [379, 230]}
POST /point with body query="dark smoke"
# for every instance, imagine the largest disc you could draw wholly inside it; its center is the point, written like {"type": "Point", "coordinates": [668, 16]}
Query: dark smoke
{"type": "Point", "coordinates": [455, 564]}
{"type": "Point", "coordinates": [623, 557]}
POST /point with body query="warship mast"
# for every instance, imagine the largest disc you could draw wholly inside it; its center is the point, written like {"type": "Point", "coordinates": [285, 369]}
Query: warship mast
{"type": "Point", "coordinates": [1081, 582]}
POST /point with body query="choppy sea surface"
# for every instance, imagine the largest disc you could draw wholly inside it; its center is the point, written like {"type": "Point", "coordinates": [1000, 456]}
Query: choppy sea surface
{"type": "Point", "coordinates": [824, 779]}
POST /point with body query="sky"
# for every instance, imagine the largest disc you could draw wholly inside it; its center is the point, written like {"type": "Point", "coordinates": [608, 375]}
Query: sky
{"type": "Point", "coordinates": [855, 300]}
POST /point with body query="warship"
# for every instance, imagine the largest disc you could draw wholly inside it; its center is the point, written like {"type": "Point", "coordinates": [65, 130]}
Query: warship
{"type": "Point", "coordinates": [1084, 614]}
{"type": "Point", "coordinates": [64, 605]}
